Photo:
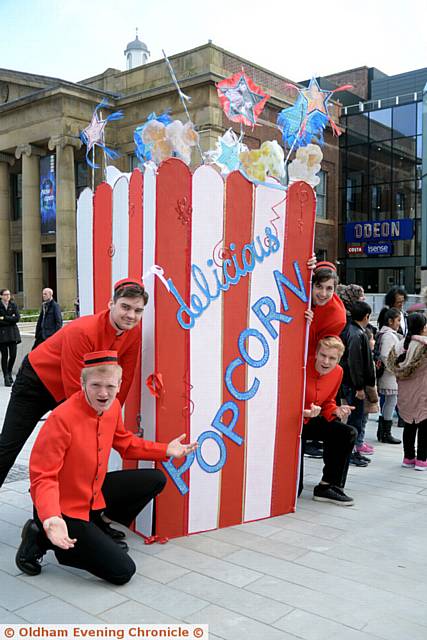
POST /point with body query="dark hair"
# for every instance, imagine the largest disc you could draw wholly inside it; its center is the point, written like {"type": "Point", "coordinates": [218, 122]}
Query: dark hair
{"type": "Point", "coordinates": [360, 310]}
{"type": "Point", "coordinates": [133, 291]}
{"type": "Point", "coordinates": [416, 323]}
{"type": "Point", "coordinates": [386, 315]}
{"type": "Point", "coordinates": [390, 297]}
{"type": "Point", "coordinates": [321, 275]}
{"type": "Point", "coordinates": [3, 290]}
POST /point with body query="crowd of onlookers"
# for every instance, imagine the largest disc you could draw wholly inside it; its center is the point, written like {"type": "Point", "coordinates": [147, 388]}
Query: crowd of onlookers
{"type": "Point", "coordinates": [382, 369]}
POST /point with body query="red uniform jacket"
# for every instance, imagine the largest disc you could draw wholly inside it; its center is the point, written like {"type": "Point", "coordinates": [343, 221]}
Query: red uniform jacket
{"type": "Point", "coordinates": [69, 459]}
{"type": "Point", "coordinates": [59, 360]}
{"type": "Point", "coordinates": [322, 390]}
{"type": "Point", "coordinates": [329, 320]}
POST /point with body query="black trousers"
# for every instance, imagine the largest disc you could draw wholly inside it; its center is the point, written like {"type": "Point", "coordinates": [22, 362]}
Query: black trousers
{"type": "Point", "coordinates": [410, 432]}
{"type": "Point", "coordinates": [8, 357]}
{"type": "Point", "coordinates": [338, 442]}
{"type": "Point", "coordinates": [126, 493]}
{"type": "Point", "coordinates": [29, 401]}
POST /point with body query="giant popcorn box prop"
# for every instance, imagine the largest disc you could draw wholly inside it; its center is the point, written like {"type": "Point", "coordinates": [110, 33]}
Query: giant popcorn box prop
{"type": "Point", "coordinates": [223, 334]}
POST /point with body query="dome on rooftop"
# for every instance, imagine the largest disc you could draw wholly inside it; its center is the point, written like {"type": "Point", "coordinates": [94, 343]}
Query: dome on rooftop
{"type": "Point", "coordinates": [137, 45]}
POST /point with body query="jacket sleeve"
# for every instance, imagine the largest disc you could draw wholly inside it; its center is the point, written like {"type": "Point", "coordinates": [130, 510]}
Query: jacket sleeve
{"type": "Point", "coordinates": [132, 447]}
{"type": "Point", "coordinates": [13, 317]}
{"type": "Point", "coordinates": [128, 360]}
{"type": "Point", "coordinates": [46, 461]}
{"type": "Point", "coordinates": [329, 405]}
{"type": "Point", "coordinates": [387, 343]}
{"type": "Point", "coordinates": [355, 362]}
{"type": "Point", "coordinates": [74, 345]}
{"type": "Point", "coordinates": [57, 316]}
{"type": "Point", "coordinates": [38, 333]}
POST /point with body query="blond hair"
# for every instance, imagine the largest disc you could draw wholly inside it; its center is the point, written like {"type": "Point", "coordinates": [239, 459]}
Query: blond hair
{"type": "Point", "coordinates": [331, 342]}
{"type": "Point", "coordinates": [102, 368]}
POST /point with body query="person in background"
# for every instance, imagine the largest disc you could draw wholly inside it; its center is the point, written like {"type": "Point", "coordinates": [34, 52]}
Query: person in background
{"type": "Point", "coordinates": [50, 318]}
{"type": "Point", "coordinates": [395, 298]}
{"type": "Point", "coordinates": [9, 335]}
{"type": "Point", "coordinates": [71, 488]}
{"type": "Point", "coordinates": [388, 337]}
{"type": "Point", "coordinates": [358, 365]}
{"type": "Point", "coordinates": [322, 420]}
{"type": "Point", "coordinates": [408, 361]}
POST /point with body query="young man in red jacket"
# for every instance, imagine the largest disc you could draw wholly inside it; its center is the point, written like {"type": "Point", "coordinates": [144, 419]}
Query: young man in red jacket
{"type": "Point", "coordinates": [51, 372]}
{"type": "Point", "coordinates": [70, 486]}
{"type": "Point", "coordinates": [322, 420]}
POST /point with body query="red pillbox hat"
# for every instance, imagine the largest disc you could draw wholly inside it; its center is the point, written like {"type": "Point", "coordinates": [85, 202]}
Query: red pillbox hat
{"type": "Point", "coordinates": [97, 358]}
{"type": "Point", "coordinates": [128, 282]}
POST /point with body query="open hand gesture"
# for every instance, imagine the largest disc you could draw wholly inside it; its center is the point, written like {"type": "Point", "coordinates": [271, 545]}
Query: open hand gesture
{"type": "Point", "coordinates": [57, 532]}
{"type": "Point", "coordinates": [177, 450]}
{"type": "Point", "coordinates": [343, 411]}
{"type": "Point", "coordinates": [313, 412]}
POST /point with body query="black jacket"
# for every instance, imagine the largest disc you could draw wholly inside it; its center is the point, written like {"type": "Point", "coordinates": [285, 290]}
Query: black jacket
{"type": "Point", "coordinates": [49, 321]}
{"type": "Point", "coordinates": [357, 360]}
{"type": "Point", "coordinates": [9, 317]}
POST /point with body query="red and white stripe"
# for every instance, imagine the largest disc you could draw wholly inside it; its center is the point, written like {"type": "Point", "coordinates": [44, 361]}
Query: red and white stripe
{"type": "Point", "coordinates": [176, 219]}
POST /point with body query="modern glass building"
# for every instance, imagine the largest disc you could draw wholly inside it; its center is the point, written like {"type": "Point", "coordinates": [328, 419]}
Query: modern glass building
{"type": "Point", "coordinates": [381, 155]}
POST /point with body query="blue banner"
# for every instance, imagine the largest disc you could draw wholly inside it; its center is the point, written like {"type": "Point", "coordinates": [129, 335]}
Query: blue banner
{"type": "Point", "coordinates": [378, 230]}
{"type": "Point", "coordinates": [48, 194]}
{"type": "Point", "coordinates": [378, 249]}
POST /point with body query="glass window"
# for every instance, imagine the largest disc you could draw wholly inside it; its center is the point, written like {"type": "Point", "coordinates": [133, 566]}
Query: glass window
{"type": "Point", "coordinates": [419, 118]}
{"type": "Point", "coordinates": [357, 129]}
{"type": "Point", "coordinates": [355, 203]}
{"type": "Point", "coordinates": [404, 150]}
{"type": "Point", "coordinates": [82, 177]}
{"type": "Point", "coordinates": [404, 120]}
{"type": "Point", "coordinates": [380, 124]}
{"type": "Point", "coordinates": [321, 195]}
{"type": "Point", "coordinates": [380, 162]}
{"type": "Point", "coordinates": [19, 277]}
{"type": "Point", "coordinates": [357, 164]}
{"type": "Point", "coordinates": [419, 151]}
{"type": "Point", "coordinates": [380, 195]}
{"type": "Point", "coordinates": [404, 199]}
{"type": "Point", "coordinates": [16, 195]}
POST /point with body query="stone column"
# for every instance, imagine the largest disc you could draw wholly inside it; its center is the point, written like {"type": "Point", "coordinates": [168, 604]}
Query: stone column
{"type": "Point", "coordinates": [5, 274]}
{"type": "Point", "coordinates": [66, 250]}
{"type": "Point", "coordinates": [31, 247]}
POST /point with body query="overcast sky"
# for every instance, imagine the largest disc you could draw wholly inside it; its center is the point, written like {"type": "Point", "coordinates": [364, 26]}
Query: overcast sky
{"type": "Point", "coordinates": [74, 39]}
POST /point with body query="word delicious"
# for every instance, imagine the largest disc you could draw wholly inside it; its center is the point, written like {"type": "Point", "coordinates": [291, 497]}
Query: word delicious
{"type": "Point", "coordinates": [232, 272]}
{"type": "Point", "coordinates": [266, 312]}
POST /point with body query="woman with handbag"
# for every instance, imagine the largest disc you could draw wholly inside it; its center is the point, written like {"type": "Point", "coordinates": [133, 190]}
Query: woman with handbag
{"type": "Point", "coordinates": [9, 335]}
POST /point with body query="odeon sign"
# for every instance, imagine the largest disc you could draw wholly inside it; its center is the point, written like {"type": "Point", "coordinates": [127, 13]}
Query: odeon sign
{"type": "Point", "coordinates": [401, 229]}
{"type": "Point", "coordinates": [223, 333]}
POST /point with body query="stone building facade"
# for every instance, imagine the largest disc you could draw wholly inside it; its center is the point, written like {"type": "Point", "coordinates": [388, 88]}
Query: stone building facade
{"type": "Point", "coordinates": [40, 116]}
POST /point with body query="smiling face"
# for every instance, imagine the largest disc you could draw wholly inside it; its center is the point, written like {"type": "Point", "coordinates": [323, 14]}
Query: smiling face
{"type": "Point", "coordinates": [327, 359]}
{"type": "Point", "coordinates": [101, 385]}
{"type": "Point", "coordinates": [323, 292]}
{"type": "Point", "coordinates": [125, 313]}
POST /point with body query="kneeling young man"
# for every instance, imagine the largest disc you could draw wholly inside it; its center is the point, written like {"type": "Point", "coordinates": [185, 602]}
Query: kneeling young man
{"type": "Point", "coordinates": [322, 420]}
{"type": "Point", "coordinates": [71, 488]}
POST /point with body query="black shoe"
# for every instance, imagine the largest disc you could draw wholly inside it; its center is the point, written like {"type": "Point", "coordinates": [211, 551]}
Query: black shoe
{"type": "Point", "coordinates": [9, 375]}
{"type": "Point", "coordinates": [329, 493]}
{"type": "Point", "coordinates": [29, 553]}
{"type": "Point", "coordinates": [365, 458]}
{"type": "Point", "coordinates": [7, 382]}
{"type": "Point", "coordinates": [121, 543]}
{"type": "Point", "coordinates": [312, 451]}
{"type": "Point", "coordinates": [357, 460]}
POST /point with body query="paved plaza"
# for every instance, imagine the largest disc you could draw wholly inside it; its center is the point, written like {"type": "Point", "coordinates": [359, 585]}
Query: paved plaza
{"type": "Point", "coordinates": [322, 573]}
